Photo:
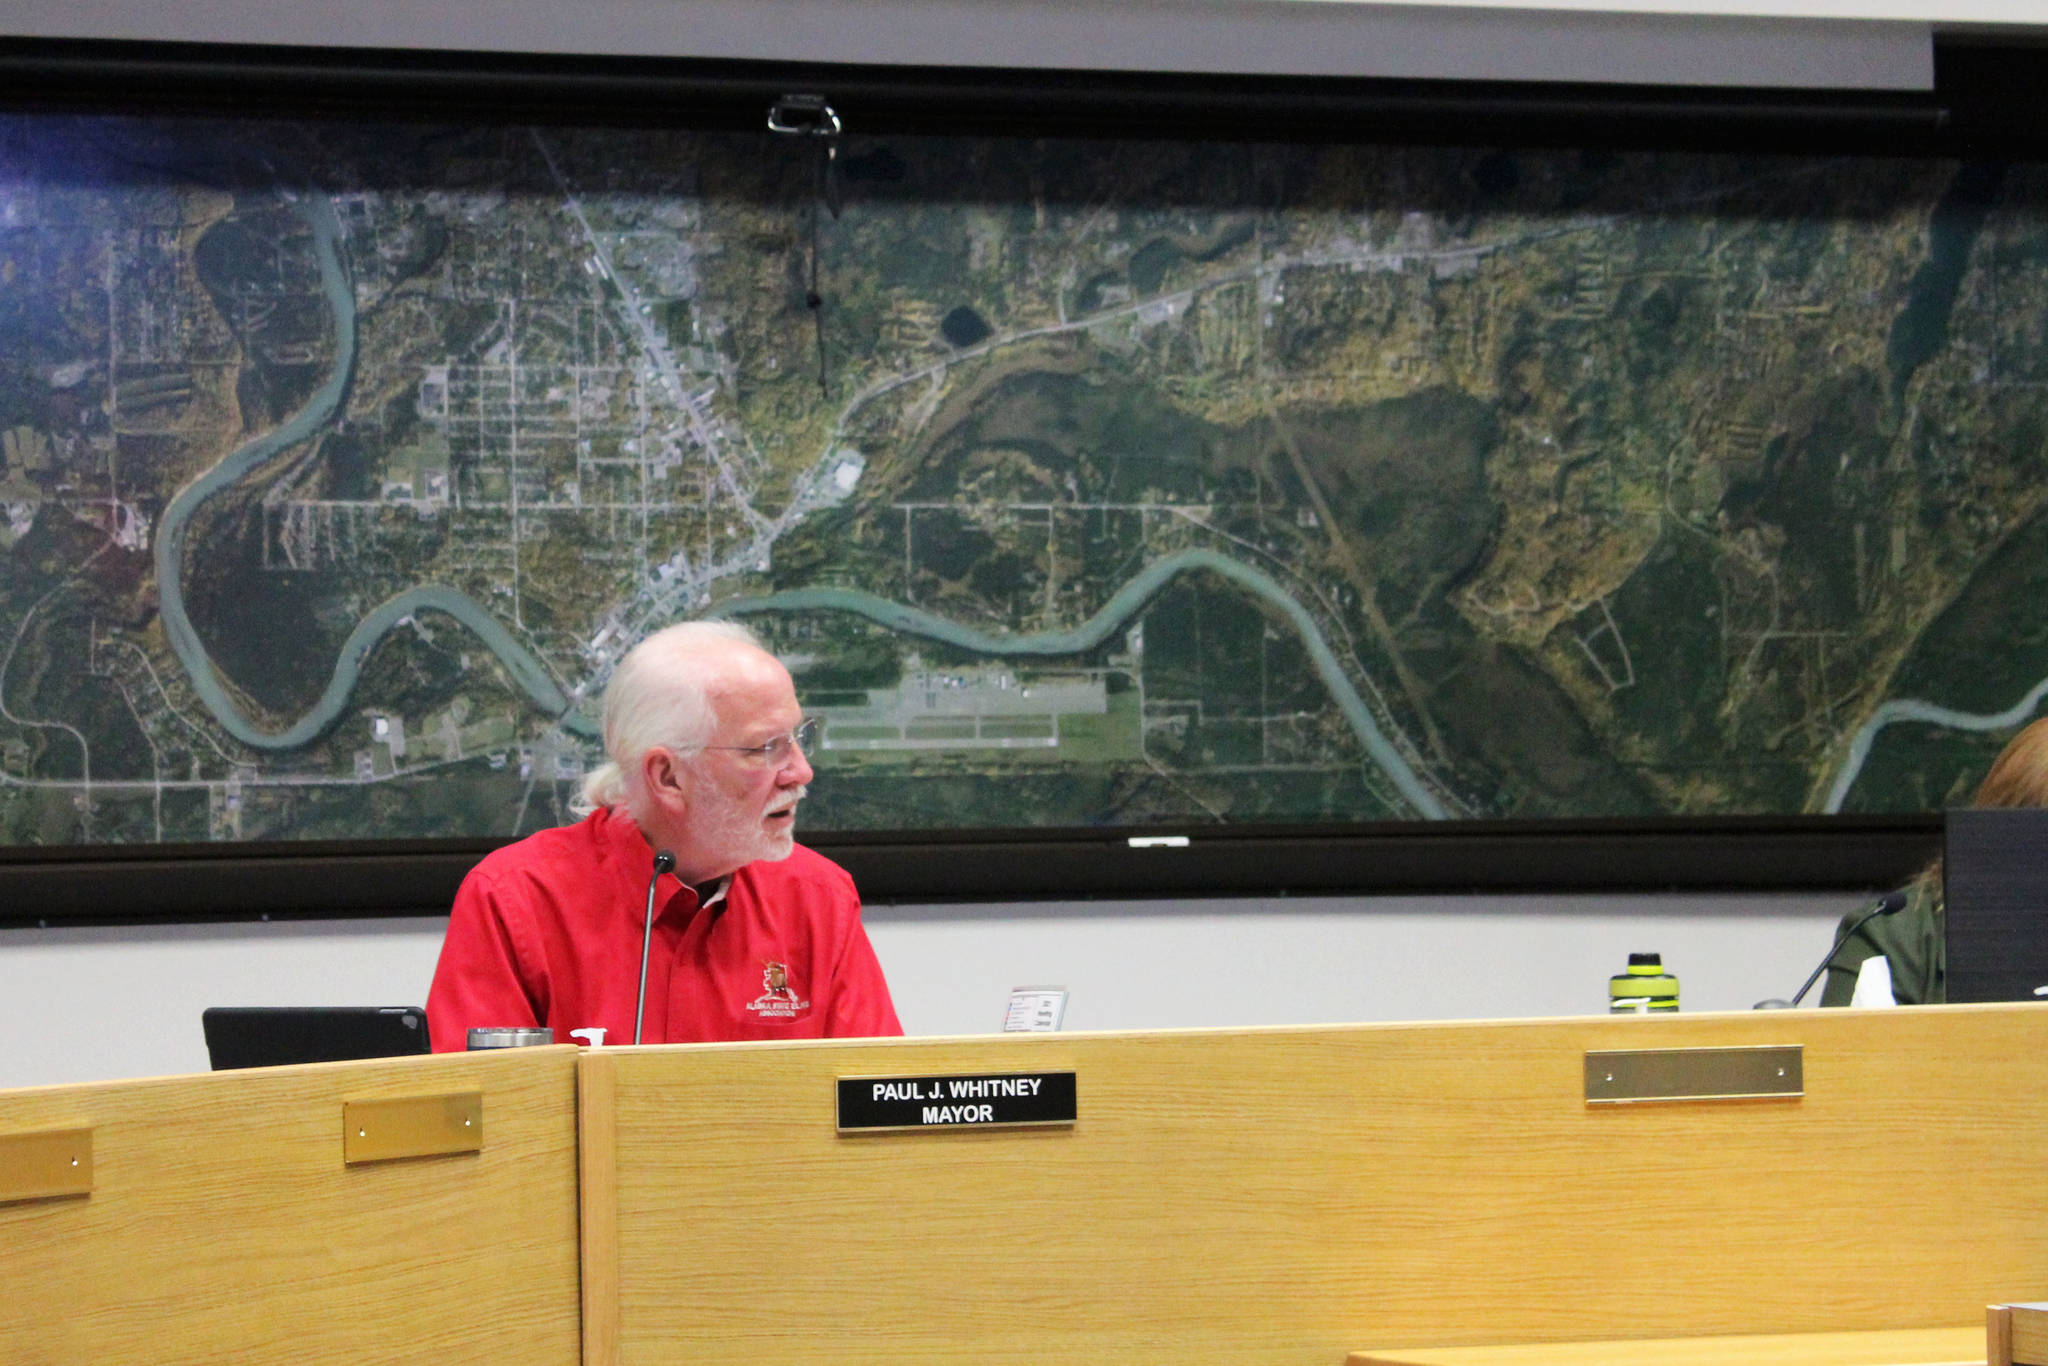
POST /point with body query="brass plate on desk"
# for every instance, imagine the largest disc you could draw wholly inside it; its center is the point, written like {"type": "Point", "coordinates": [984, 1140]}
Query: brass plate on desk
{"type": "Point", "coordinates": [45, 1164]}
{"type": "Point", "coordinates": [414, 1126]}
{"type": "Point", "coordinates": [1634, 1075]}
{"type": "Point", "coordinates": [1893, 1347]}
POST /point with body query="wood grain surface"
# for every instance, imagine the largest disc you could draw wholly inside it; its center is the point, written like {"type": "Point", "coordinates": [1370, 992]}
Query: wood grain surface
{"type": "Point", "coordinates": [597, 1107]}
{"type": "Point", "coordinates": [223, 1225]}
{"type": "Point", "coordinates": [1292, 1195]}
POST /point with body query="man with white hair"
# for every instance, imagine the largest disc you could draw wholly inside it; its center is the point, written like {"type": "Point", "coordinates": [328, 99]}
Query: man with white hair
{"type": "Point", "coordinates": [754, 936]}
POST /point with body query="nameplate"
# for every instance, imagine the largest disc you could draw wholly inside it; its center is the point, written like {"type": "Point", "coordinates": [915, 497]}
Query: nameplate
{"type": "Point", "coordinates": [980, 1100]}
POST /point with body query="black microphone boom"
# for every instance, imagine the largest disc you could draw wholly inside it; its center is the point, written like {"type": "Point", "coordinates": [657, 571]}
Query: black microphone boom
{"type": "Point", "coordinates": [1891, 903]}
{"type": "Point", "coordinates": [663, 862]}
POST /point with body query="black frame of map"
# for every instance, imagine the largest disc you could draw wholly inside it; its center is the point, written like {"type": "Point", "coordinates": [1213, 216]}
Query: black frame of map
{"type": "Point", "coordinates": [1985, 111]}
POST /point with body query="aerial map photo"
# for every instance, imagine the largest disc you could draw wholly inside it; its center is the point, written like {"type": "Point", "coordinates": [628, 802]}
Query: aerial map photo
{"type": "Point", "coordinates": [1089, 483]}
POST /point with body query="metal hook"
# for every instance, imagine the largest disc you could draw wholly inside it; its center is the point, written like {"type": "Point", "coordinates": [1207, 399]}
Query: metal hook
{"type": "Point", "coordinates": [808, 115]}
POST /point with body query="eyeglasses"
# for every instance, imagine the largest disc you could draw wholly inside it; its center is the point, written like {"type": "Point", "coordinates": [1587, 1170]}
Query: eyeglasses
{"type": "Point", "coordinates": [775, 752]}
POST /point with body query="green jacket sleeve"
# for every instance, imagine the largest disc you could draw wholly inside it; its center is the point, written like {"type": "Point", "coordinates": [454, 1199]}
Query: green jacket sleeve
{"type": "Point", "coordinates": [1911, 939]}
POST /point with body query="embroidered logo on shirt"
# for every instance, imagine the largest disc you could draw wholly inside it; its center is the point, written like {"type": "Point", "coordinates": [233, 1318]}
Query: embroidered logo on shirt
{"type": "Point", "coordinates": [778, 999]}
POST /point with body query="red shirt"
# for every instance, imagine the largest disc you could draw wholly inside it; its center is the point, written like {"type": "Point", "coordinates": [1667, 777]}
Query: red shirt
{"type": "Point", "coordinates": [547, 931]}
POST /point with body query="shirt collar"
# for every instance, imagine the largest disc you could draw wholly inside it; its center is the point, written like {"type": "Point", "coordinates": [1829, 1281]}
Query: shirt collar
{"type": "Point", "coordinates": [625, 841]}
{"type": "Point", "coordinates": [621, 840]}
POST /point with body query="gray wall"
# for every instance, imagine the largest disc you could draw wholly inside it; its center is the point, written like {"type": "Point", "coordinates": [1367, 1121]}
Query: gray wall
{"type": "Point", "coordinates": [1845, 43]}
{"type": "Point", "coordinates": [97, 1004]}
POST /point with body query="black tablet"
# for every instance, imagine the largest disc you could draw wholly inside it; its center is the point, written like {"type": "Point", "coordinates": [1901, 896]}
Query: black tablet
{"type": "Point", "coordinates": [268, 1036]}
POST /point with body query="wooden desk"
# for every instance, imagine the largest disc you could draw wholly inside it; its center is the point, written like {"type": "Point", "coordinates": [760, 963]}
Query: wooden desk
{"type": "Point", "coordinates": [1903, 1347]}
{"type": "Point", "coordinates": [2016, 1334]}
{"type": "Point", "coordinates": [224, 1222]}
{"type": "Point", "coordinates": [1282, 1197]}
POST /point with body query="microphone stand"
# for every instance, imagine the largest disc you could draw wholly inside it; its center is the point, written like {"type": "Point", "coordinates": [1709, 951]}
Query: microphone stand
{"type": "Point", "coordinates": [1891, 903]}
{"type": "Point", "coordinates": [663, 862]}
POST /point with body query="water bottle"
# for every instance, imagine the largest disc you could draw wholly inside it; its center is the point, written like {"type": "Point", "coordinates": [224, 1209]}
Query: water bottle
{"type": "Point", "coordinates": [1644, 989]}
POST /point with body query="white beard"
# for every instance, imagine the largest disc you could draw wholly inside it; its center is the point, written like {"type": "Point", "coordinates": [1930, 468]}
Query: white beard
{"type": "Point", "coordinates": [739, 837]}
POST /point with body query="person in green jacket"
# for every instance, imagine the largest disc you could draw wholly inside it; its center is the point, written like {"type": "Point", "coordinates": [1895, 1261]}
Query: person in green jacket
{"type": "Point", "coordinates": [1912, 938]}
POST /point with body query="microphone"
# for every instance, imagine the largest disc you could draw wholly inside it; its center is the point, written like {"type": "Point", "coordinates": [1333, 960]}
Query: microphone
{"type": "Point", "coordinates": [1891, 903]}
{"type": "Point", "coordinates": [663, 862]}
